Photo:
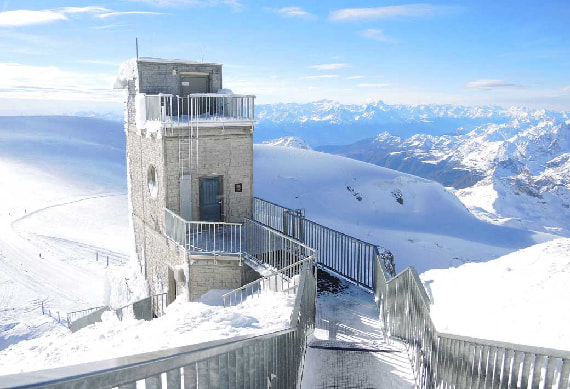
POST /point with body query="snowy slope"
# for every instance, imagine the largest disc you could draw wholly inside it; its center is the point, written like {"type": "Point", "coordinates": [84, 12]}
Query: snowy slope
{"type": "Point", "coordinates": [520, 298]}
{"type": "Point", "coordinates": [184, 324]}
{"type": "Point", "coordinates": [66, 201]}
{"type": "Point", "coordinates": [515, 173]}
{"type": "Point", "coordinates": [430, 228]}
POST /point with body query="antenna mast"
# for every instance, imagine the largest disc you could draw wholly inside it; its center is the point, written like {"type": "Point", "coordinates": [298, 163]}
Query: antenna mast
{"type": "Point", "coordinates": [137, 46]}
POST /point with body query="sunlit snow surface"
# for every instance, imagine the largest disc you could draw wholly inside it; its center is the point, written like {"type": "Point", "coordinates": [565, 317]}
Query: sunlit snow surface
{"type": "Point", "coordinates": [522, 297]}
{"type": "Point", "coordinates": [65, 198]}
{"type": "Point", "coordinates": [184, 324]}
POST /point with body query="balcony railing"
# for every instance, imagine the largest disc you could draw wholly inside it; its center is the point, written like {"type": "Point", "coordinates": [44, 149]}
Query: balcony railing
{"type": "Point", "coordinates": [207, 238]}
{"type": "Point", "coordinates": [199, 108]}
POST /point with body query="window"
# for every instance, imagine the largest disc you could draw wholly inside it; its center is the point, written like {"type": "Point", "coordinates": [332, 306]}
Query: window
{"type": "Point", "coordinates": [152, 181]}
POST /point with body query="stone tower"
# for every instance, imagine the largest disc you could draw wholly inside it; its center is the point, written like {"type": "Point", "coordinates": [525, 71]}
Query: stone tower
{"type": "Point", "coordinates": [190, 160]}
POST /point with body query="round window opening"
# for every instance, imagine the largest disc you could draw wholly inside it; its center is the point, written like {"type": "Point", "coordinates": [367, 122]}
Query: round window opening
{"type": "Point", "coordinates": [152, 182]}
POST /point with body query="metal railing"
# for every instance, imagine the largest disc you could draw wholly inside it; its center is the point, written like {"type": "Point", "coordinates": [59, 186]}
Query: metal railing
{"type": "Point", "coordinates": [272, 215]}
{"type": "Point", "coordinates": [438, 360]}
{"type": "Point", "coordinates": [207, 238]}
{"type": "Point", "coordinates": [73, 316]}
{"type": "Point", "coordinates": [199, 107]}
{"type": "Point", "coordinates": [273, 360]}
{"type": "Point", "coordinates": [268, 246]}
{"type": "Point", "coordinates": [344, 254]}
{"type": "Point", "coordinates": [451, 361]}
{"type": "Point", "coordinates": [159, 304]}
{"type": "Point", "coordinates": [284, 280]}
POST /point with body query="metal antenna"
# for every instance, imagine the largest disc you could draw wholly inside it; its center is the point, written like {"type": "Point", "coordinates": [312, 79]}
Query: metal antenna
{"type": "Point", "coordinates": [137, 46]}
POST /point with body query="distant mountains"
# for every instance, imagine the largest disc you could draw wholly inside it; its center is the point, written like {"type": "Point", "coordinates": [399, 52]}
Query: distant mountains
{"type": "Point", "coordinates": [327, 122]}
{"type": "Point", "coordinates": [511, 166]}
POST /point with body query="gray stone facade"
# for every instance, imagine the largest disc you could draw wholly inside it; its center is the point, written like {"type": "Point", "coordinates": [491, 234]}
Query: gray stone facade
{"type": "Point", "coordinates": [218, 150]}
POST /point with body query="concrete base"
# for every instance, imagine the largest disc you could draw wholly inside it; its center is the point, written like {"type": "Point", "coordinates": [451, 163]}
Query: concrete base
{"type": "Point", "coordinates": [220, 272]}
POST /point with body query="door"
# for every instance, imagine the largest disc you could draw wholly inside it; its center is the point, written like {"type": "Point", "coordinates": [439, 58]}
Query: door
{"type": "Point", "coordinates": [211, 199]}
{"type": "Point", "coordinates": [194, 83]}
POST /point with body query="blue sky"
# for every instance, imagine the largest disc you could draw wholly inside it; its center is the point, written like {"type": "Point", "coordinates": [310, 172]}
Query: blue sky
{"type": "Point", "coordinates": [62, 56]}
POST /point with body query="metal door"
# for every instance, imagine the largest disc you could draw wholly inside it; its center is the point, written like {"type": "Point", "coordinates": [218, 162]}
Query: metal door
{"type": "Point", "coordinates": [211, 199]}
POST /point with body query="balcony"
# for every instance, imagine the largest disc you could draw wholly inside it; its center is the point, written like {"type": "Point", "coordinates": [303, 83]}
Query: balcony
{"type": "Point", "coordinates": [200, 109]}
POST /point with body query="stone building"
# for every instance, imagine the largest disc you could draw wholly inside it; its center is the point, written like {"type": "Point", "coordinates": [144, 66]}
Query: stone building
{"type": "Point", "coordinates": [190, 167]}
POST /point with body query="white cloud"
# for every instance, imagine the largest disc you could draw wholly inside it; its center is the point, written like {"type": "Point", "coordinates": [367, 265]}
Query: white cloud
{"type": "Point", "coordinates": [20, 81]}
{"type": "Point", "coordinates": [354, 77]}
{"type": "Point", "coordinates": [491, 84]}
{"type": "Point", "coordinates": [99, 62]}
{"type": "Point", "coordinates": [375, 34]}
{"type": "Point", "coordinates": [369, 85]}
{"type": "Point", "coordinates": [22, 17]}
{"type": "Point", "coordinates": [112, 14]}
{"type": "Point", "coordinates": [329, 66]}
{"type": "Point", "coordinates": [81, 10]}
{"type": "Point", "coordinates": [408, 10]}
{"type": "Point", "coordinates": [292, 12]}
{"type": "Point", "coordinates": [235, 4]}
{"type": "Point", "coordinates": [322, 76]}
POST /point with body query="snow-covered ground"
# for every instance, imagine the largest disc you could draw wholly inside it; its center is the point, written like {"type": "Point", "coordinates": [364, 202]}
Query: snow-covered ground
{"type": "Point", "coordinates": [520, 298]}
{"type": "Point", "coordinates": [427, 228]}
{"type": "Point", "coordinates": [67, 201]}
{"type": "Point", "coordinates": [184, 324]}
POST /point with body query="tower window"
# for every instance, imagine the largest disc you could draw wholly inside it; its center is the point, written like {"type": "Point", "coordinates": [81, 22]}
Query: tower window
{"type": "Point", "coordinates": [152, 181]}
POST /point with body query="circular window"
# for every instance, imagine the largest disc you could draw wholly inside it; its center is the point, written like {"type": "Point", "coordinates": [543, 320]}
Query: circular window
{"type": "Point", "coordinates": [152, 181]}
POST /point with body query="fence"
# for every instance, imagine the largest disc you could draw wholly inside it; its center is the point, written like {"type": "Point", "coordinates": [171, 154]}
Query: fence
{"type": "Point", "coordinates": [273, 360]}
{"type": "Point", "coordinates": [451, 361]}
{"type": "Point", "coordinates": [207, 238]}
{"type": "Point", "coordinates": [438, 360]}
{"type": "Point", "coordinates": [351, 257]}
{"type": "Point", "coordinates": [284, 280]}
{"type": "Point", "coordinates": [269, 246]}
{"type": "Point", "coordinates": [159, 304]}
{"type": "Point", "coordinates": [273, 215]}
{"type": "Point", "coordinates": [202, 107]}
{"type": "Point", "coordinates": [76, 315]}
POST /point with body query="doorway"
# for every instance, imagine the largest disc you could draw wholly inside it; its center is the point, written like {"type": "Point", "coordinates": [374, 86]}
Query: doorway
{"type": "Point", "coordinates": [211, 199]}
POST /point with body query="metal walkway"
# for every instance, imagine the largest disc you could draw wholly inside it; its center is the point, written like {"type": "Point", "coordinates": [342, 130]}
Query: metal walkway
{"type": "Point", "coordinates": [347, 349]}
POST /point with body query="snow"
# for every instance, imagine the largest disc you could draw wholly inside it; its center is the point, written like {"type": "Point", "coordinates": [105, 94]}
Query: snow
{"type": "Point", "coordinates": [288, 141]}
{"type": "Point", "coordinates": [347, 348]}
{"type": "Point", "coordinates": [73, 171]}
{"type": "Point", "coordinates": [430, 229]}
{"type": "Point", "coordinates": [520, 298]}
{"type": "Point", "coordinates": [184, 324]}
{"type": "Point", "coordinates": [128, 70]}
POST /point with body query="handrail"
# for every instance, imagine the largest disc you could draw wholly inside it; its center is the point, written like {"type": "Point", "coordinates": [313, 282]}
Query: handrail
{"type": "Point", "coordinates": [203, 237]}
{"type": "Point", "coordinates": [270, 282]}
{"type": "Point", "coordinates": [199, 107]}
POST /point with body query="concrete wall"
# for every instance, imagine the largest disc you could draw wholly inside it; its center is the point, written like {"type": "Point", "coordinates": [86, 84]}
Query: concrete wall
{"type": "Point", "coordinates": [221, 152]}
{"type": "Point", "coordinates": [221, 273]}
{"type": "Point", "coordinates": [158, 77]}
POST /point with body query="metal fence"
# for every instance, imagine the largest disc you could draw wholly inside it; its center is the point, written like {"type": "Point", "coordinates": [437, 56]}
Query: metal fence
{"type": "Point", "coordinates": [207, 238]}
{"type": "Point", "coordinates": [273, 360]}
{"type": "Point", "coordinates": [451, 361]}
{"type": "Point", "coordinates": [284, 280]}
{"type": "Point", "coordinates": [73, 316]}
{"type": "Point", "coordinates": [159, 304]}
{"type": "Point", "coordinates": [344, 254]}
{"type": "Point", "coordinates": [269, 246]}
{"type": "Point", "coordinates": [199, 107]}
{"type": "Point", "coordinates": [438, 360]}
{"type": "Point", "coordinates": [273, 215]}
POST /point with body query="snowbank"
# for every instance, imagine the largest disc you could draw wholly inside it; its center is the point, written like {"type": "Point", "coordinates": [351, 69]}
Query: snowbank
{"type": "Point", "coordinates": [184, 324]}
{"type": "Point", "coordinates": [520, 298]}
